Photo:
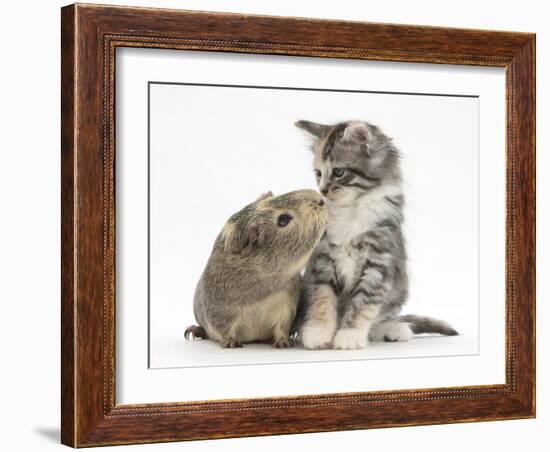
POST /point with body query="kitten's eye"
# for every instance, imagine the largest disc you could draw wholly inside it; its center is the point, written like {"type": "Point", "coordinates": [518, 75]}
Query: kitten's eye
{"type": "Point", "coordinates": [283, 220]}
{"type": "Point", "coordinates": [338, 172]}
{"type": "Point", "coordinates": [317, 173]}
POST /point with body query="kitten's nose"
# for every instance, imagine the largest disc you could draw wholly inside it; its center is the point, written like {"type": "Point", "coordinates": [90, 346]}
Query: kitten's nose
{"type": "Point", "coordinates": [324, 190]}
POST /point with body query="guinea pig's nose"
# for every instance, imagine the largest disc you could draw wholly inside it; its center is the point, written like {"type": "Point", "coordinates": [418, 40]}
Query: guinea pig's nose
{"type": "Point", "coordinates": [321, 202]}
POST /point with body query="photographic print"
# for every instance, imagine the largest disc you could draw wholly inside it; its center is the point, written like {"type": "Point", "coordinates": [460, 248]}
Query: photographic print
{"type": "Point", "coordinates": [335, 224]}
{"type": "Point", "coordinates": [284, 218]}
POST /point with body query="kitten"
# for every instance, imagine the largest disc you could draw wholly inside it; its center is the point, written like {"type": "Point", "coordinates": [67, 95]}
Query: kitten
{"type": "Point", "coordinates": [356, 280]}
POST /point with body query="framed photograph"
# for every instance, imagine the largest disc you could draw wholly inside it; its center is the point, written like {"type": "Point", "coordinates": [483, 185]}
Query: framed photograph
{"type": "Point", "coordinates": [281, 225]}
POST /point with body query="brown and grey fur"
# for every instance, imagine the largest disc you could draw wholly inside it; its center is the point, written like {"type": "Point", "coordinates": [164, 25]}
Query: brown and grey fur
{"type": "Point", "coordinates": [356, 281]}
{"type": "Point", "coordinates": [251, 286]}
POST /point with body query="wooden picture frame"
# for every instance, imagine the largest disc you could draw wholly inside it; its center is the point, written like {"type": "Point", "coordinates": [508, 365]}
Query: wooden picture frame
{"type": "Point", "coordinates": [90, 35]}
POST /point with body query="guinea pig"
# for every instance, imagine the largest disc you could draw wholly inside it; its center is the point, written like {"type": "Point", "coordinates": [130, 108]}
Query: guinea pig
{"type": "Point", "coordinates": [251, 286]}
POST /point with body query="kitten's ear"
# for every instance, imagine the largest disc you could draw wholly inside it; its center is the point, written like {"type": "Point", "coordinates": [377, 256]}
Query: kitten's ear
{"type": "Point", "coordinates": [356, 131]}
{"type": "Point", "coordinates": [317, 130]}
{"type": "Point", "coordinates": [240, 238]}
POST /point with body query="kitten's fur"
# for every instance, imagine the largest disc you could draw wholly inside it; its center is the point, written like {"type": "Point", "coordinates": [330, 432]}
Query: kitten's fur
{"type": "Point", "coordinates": [356, 280]}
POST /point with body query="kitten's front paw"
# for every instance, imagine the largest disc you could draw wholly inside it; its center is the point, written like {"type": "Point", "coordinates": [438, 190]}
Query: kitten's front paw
{"type": "Point", "coordinates": [316, 337]}
{"type": "Point", "coordinates": [350, 339]}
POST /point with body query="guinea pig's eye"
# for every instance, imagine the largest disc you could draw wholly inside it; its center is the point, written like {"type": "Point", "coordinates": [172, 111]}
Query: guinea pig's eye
{"type": "Point", "coordinates": [283, 220]}
{"type": "Point", "coordinates": [338, 172]}
{"type": "Point", "coordinates": [317, 173]}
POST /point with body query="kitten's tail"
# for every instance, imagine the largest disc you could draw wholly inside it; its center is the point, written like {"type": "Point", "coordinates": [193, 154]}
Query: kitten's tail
{"type": "Point", "coordinates": [420, 324]}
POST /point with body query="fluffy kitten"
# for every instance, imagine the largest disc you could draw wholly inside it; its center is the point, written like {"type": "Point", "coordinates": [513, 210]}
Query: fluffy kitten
{"type": "Point", "coordinates": [356, 280]}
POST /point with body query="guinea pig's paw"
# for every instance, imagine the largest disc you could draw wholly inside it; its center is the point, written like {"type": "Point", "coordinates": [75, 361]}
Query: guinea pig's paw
{"type": "Point", "coordinates": [316, 337]}
{"type": "Point", "coordinates": [350, 339]}
{"type": "Point", "coordinates": [195, 332]}
{"type": "Point", "coordinates": [282, 342]}
{"type": "Point", "coordinates": [231, 343]}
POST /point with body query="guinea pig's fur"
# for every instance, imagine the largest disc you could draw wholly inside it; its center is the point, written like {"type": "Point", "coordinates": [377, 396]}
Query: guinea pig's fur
{"type": "Point", "coordinates": [250, 288]}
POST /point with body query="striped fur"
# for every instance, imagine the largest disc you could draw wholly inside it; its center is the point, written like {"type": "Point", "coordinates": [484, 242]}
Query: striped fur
{"type": "Point", "coordinates": [361, 261]}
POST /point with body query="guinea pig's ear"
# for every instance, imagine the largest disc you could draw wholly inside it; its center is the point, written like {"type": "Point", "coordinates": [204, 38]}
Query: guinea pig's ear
{"type": "Point", "coordinates": [240, 238]}
{"type": "Point", "coordinates": [269, 194]}
{"type": "Point", "coordinates": [317, 130]}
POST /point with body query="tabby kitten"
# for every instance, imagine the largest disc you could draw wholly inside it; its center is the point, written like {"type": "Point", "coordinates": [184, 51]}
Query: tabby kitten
{"type": "Point", "coordinates": [356, 280]}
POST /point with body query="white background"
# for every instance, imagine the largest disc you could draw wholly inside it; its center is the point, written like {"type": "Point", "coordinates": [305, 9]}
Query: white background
{"type": "Point", "coordinates": [30, 226]}
{"type": "Point", "coordinates": [209, 159]}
